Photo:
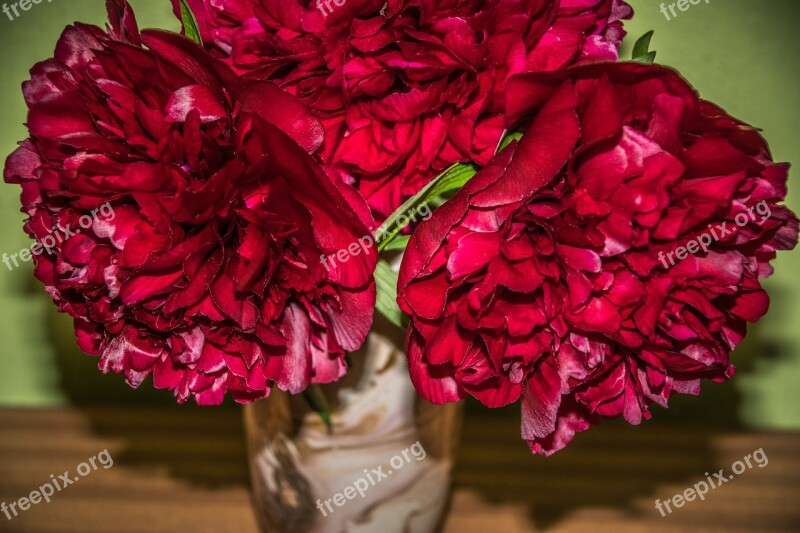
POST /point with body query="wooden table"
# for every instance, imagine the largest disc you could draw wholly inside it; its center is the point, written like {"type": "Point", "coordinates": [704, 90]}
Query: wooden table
{"type": "Point", "coordinates": [184, 470]}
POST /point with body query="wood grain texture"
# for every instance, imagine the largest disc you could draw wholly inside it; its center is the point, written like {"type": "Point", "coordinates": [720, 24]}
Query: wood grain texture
{"type": "Point", "coordinates": [185, 470]}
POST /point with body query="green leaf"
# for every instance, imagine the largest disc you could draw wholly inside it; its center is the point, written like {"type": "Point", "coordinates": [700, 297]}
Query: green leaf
{"type": "Point", "coordinates": [386, 303]}
{"type": "Point", "coordinates": [642, 45]}
{"type": "Point", "coordinates": [398, 243]}
{"type": "Point", "coordinates": [451, 179]}
{"type": "Point", "coordinates": [647, 59]}
{"type": "Point", "coordinates": [641, 50]}
{"type": "Point", "coordinates": [508, 139]}
{"type": "Point", "coordinates": [190, 26]}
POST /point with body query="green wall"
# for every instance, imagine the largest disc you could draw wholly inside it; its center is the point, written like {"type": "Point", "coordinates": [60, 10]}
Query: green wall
{"type": "Point", "coordinates": [740, 54]}
{"type": "Point", "coordinates": [39, 364]}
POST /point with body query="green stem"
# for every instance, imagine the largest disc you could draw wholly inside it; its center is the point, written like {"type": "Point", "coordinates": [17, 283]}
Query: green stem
{"type": "Point", "coordinates": [318, 402]}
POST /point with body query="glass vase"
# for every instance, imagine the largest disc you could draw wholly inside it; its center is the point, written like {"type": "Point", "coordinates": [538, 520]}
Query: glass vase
{"type": "Point", "coordinates": [382, 464]}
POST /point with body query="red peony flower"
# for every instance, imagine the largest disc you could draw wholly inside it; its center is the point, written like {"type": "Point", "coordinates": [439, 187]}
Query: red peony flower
{"type": "Point", "coordinates": [201, 261]}
{"type": "Point", "coordinates": [564, 273]}
{"type": "Point", "coordinates": [406, 88]}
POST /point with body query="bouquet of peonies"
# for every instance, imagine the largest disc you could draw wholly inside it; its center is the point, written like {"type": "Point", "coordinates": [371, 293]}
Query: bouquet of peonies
{"type": "Point", "coordinates": [592, 239]}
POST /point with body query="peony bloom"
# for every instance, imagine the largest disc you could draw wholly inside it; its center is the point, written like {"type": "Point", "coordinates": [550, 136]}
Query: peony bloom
{"type": "Point", "coordinates": [202, 267]}
{"type": "Point", "coordinates": [552, 276]}
{"type": "Point", "coordinates": [406, 88]}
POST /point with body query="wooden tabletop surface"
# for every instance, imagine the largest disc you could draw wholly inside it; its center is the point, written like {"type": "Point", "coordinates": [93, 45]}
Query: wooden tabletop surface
{"type": "Point", "coordinates": [185, 470]}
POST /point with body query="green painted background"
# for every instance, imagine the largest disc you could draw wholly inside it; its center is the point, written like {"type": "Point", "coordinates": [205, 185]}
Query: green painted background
{"type": "Point", "coordinates": [741, 54]}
